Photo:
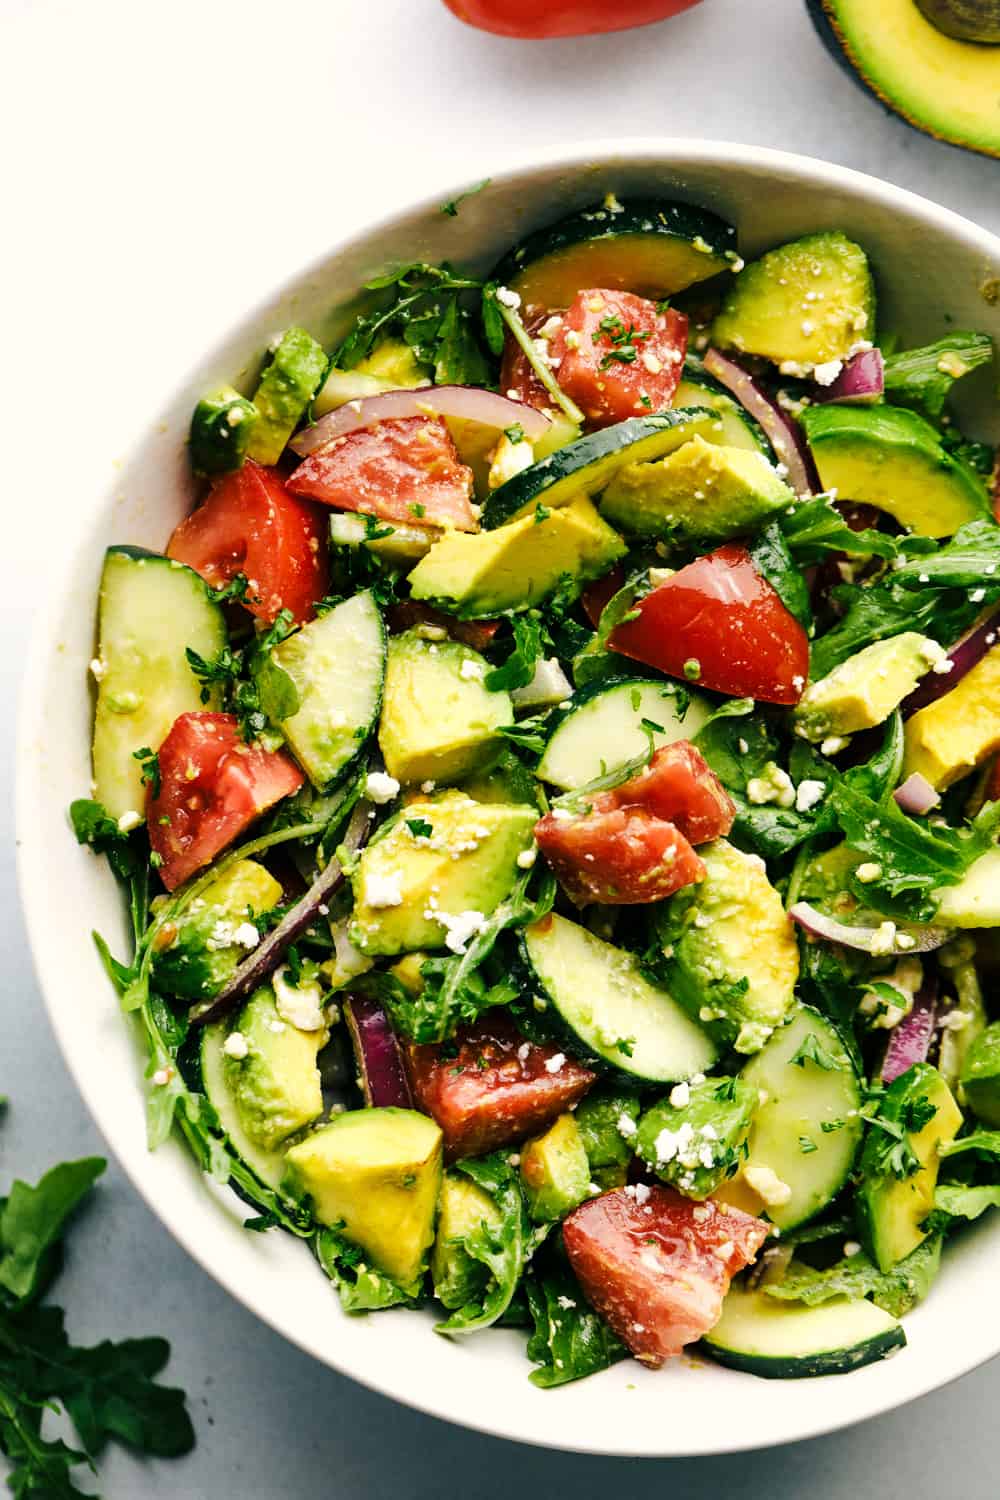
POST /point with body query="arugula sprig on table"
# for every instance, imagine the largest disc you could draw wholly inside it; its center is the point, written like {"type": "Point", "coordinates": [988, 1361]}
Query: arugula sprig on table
{"type": "Point", "coordinates": [108, 1391]}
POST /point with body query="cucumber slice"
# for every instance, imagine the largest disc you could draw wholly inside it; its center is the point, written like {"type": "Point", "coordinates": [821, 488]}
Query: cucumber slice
{"type": "Point", "coordinates": [586, 466]}
{"type": "Point", "coordinates": [394, 544]}
{"type": "Point", "coordinates": [268, 1165]}
{"type": "Point", "coordinates": [738, 430]}
{"type": "Point", "coordinates": [609, 1012]}
{"type": "Point", "coordinates": [806, 1080]}
{"type": "Point", "coordinates": [337, 664]}
{"type": "Point", "coordinates": [151, 608]}
{"type": "Point", "coordinates": [787, 1341]}
{"type": "Point", "coordinates": [653, 248]}
{"type": "Point", "coordinates": [602, 728]}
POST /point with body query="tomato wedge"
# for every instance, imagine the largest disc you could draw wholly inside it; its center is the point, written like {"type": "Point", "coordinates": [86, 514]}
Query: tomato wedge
{"type": "Point", "coordinates": [680, 786]}
{"type": "Point", "coordinates": [621, 856]}
{"type": "Point", "coordinates": [410, 612]}
{"type": "Point", "coordinates": [212, 786]}
{"type": "Point", "coordinates": [490, 1088]}
{"type": "Point", "coordinates": [719, 623]}
{"type": "Point", "coordinates": [616, 356]}
{"type": "Point", "coordinates": [402, 469]}
{"type": "Point", "coordinates": [656, 1266]}
{"type": "Point", "coordinates": [517, 377]}
{"type": "Point", "coordinates": [251, 524]}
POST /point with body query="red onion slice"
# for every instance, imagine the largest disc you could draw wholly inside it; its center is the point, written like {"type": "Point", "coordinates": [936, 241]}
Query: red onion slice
{"type": "Point", "coordinates": [910, 1041]}
{"type": "Point", "coordinates": [782, 433]}
{"type": "Point", "coordinates": [265, 958]}
{"type": "Point", "coordinates": [467, 403]}
{"type": "Point", "coordinates": [916, 796]}
{"type": "Point", "coordinates": [380, 1062]}
{"type": "Point", "coordinates": [866, 939]}
{"type": "Point", "coordinates": [966, 652]}
{"type": "Point", "coordinates": [860, 382]}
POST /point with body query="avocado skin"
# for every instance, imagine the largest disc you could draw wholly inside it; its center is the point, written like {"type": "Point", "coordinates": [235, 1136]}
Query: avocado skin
{"type": "Point", "coordinates": [837, 46]}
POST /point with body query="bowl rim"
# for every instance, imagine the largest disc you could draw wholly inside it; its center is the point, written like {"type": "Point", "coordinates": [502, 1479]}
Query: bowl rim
{"type": "Point", "coordinates": [693, 153]}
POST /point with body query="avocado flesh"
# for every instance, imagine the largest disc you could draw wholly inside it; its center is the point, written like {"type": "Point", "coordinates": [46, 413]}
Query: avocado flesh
{"type": "Point", "coordinates": [466, 864]}
{"type": "Point", "coordinates": [731, 956]}
{"type": "Point", "coordinates": [456, 1276]}
{"type": "Point", "coordinates": [376, 1174]}
{"type": "Point", "coordinates": [975, 900]}
{"type": "Point", "coordinates": [599, 1118]}
{"type": "Point", "coordinates": [863, 691]}
{"type": "Point", "coordinates": [284, 391]}
{"type": "Point", "coordinates": [206, 951]}
{"type": "Point", "coordinates": [555, 1171]}
{"type": "Point", "coordinates": [944, 86]}
{"type": "Point", "coordinates": [980, 1082]}
{"type": "Point", "coordinates": [954, 735]}
{"type": "Point", "coordinates": [276, 1086]}
{"type": "Point", "coordinates": [702, 492]}
{"type": "Point", "coordinates": [699, 1158]}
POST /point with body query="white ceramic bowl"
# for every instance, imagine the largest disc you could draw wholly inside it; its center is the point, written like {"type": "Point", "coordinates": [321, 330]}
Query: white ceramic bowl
{"type": "Point", "coordinates": [931, 267]}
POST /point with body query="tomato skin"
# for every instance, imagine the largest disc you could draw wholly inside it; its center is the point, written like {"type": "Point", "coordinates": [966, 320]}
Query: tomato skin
{"type": "Point", "coordinates": [518, 380]}
{"type": "Point", "coordinates": [585, 348]}
{"type": "Point", "coordinates": [720, 613]}
{"type": "Point", "coordinates": [251, 524]}
{"type": "Point", "coordinates": [993, 783]}
{"type": "Point", "coordinates": [657, 1266]}
{"type": "Point", "coordinates": [620, 856]}
{"type": "Point", "coordinates": [480, 1108]}
{"type": "Point", "coordinates": [410, 612]}
{"type": "Point", "coordinates": [195, 816]}
{"type": "Point", "coordinates": [388, 469]}
{"type": "Point", "coordinates": [544, 18]}
{"type": "Point", "coordinates": [680, 786]}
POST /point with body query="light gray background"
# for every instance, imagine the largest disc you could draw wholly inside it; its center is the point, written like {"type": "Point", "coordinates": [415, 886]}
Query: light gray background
{"type": "Point", "coordinates": [164, 166]}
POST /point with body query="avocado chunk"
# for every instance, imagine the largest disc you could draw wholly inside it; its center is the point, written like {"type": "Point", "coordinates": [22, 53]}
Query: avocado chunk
{"type": "Point", "coordinates": [437, 871]}
{"type": "Point", "coordinates": [286, 387]}
{"type": "Point", "coordinates": [457, 1277]}
{"type": "Point", "coordinates": [864, 690]}
{"type": "Point", "coordinates": [394, 362]}
{"type": "Point", "coordinates": [954, 735]}
{"type": "Point", "coordinates": [555, 1171]}
{"type": "Point", "coordinates": [729, 953]}
{"type": "Point", "coordinates": [439, 719]}
{"type": "Point", "coordinates": [975, 900]}
{"type": "Point", "coordinates": [695, 1139]}
{"type": "Point", "coordinates": [899, 1165]}
{"type": "Point", "coordinates": [375, 1174]}
{"type": "Point", "coordinates": [702, 493]}
{"type": "Point", "coordinates": [981, 1076]}
{"type": "Point", "coordinates": [221, 425]}
{"type": "Point", "coordinates": [925, 60]}
{"type": "Point", "coordinates": [519, 564]}
{"type": "Point", "coordinates": [893, 459]}
{"type": "Point", "coordinates": [197, 956]}
{"type": "Point", "coordinates": [802, 305]}
{"type": "Point", "coordinates": [273, 1076]}
{"type": "Point", "coordinates": [607, 1119]}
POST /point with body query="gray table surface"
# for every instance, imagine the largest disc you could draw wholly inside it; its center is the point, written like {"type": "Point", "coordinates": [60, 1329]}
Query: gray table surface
{"type": "Point", "coordinates": [164, 168]}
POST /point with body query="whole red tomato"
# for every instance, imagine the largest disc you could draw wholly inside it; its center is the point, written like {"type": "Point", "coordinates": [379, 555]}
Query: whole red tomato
{"type": "Point", "coordinates": [542, 18]}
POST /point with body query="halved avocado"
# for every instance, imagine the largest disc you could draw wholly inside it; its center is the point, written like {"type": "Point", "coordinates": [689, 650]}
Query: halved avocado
{"type": "Point", "coordinates": [902, 52]}
{"type": "Point", "coordinates": [644, 246]}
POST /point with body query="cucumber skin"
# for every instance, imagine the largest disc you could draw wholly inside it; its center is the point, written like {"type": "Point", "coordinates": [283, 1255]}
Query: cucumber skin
{"type": "Point", "coordinates": [807, 1366]}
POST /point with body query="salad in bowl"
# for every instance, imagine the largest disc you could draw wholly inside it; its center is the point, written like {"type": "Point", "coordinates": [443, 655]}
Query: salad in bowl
{"type": "Point", "coordinates": [553, 774]}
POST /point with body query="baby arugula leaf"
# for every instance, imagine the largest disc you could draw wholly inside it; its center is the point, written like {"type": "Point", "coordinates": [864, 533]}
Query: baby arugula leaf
{"type": "Point", "coordinates": [897, 1291]}
{"type": "Point", "coordinates": [814, 528]}
{"type": "Point", "coordinates": [570, 1340]}
{"type": "Point", "coordinates": [503, 1247]}
{"type": "Point", "coordinates": [970, 559]}
{"type": "Point", "coordinates": [519, 667]}
{"type": "Point", "coordinates": [772, 559]}
{"type": "Point", "coordinates": [921, 378]}
{"type": "Point", "coordinates": [360, 1287]}
{"type": "Point", "coordinates": [32, 1222]}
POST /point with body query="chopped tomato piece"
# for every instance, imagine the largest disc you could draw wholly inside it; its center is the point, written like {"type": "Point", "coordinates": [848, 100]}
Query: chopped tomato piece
{"type": "Point", "coordinates": [992, 793]}
{"type": "Point", "coordinates": [403, 469]}
{"type": "Point", "coordinates": [617, 357]}
{"type": "Point", "coordinates": [251, 524]}
{"type": "Point", "coordinates": [719, 623]}
{"type": "Point", "coordinates": [410, 612]}
{"type": "Point", "coordinates": [597, 596]}
{"type": "Point", "coordinates": [212, 786]}
{"type": "Point", "coordinates": [656, 1266]}
{"type": "Point", "coordinates": [490, 1088]}
{"type": "Point", "coordinates": [679, 785]}
{"type": "Point", "coordinates": [529, 18]}
{"type": "Point", "coordinates": [620, 856]}
{"type": "Point", "coordinates": [517, 377]}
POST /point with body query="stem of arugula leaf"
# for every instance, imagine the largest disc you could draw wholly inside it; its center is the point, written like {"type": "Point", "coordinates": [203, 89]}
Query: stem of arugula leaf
{"type": "Point", "coordinates": [541, 369]}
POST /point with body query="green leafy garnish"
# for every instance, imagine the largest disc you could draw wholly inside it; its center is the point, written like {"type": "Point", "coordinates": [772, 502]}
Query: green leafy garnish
{"type": "Point", "coordinates": [526, 652]}
{"type": "Point", "coordinates": [813, 1051]}
{"type": "Point", "coordinates": [454, 204]}
{"type": "Point", "coordinates": [897, 1291]}
{"type": "Point", "coordinates": [150, 764]}
{"type": "Point", "coordinates": [922, 378]}
{"type": "Point", "coordinates": [503, 1248]}
{"type": "Point", "coordinates": [570, 1340]}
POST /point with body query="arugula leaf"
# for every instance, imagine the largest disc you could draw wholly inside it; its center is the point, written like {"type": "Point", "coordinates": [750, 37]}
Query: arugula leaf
{"type": "Point", "coordinates": [127, 855]}
{"type": "Point", "coordinates": [254, 687]}
{"type": "Point", "coordinates": [149, 761]}
{"type": "Point", "coordinates": [570, 1340]}
{"type": "Point", "coordinates": [922, 378]}
{"type": "Point", "coordinates": [877, 776]}
{"type": "Point", "coordinates": [874, 612]}
{"type": "Point", "coordinates": [985, 1141]}
{"type": "Point", "coordinates": [427, 310]}
{"type": "Point", "coordinates": [519, 667]}
{"type": "Point", "coordinates": [812, 1050]}
{"type": "Point", "coordinates": [897, 1291]}
{"type": "Point", "coordinates": [827, 985]}
{"type": "Point", "coordinates": [814, 528]}
{"type": "Point", "coordinates": [739, 751]}
{"type": "Point", "coordinates": [773, 561]}
{"type": "Point", "coordinates": [33, 1220]}
{"type": "Point", "coordinates": [970, 559]}
{"type": "Point", "coordinates": [961, 1202]}
{"type": "Point", "coordinates": [360, 1286]}
{"type": "Point", "coordinates": [503, 1248]}
{"type": "Point", "coordinates": [454, 204]}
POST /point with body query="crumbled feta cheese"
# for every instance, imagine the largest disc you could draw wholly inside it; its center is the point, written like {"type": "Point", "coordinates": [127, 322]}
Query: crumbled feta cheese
{"type": "Point", "coordinates": [976, 596]}
{"type": "Point", "coordinates": [460, 928]}
{"type": "Point", "coordinates": [834, 743]}
{"type": "Point", "coordinates": [470, 670]}
{"type": "Point", "coordinates": [128, 821]}
{"type": "Point", "coordinates": [527, 858]}
{"type": "Point", "coordinates": [852, 1247]}
{"type": "Point", "coordinates": [565, 1302]}
{"type": "Point", "coordinates": [522, 1052]}
{"type": "Point", "coordinates": [507, 298]}
{"type": "Point", "coordinates": [555, 1063]}
{"type": "Point", "coordinates": [162, 1077]}
{"type": "Point", "coordinates": [626, 1125]}
{"type": "Point", "coordinates": [300, 1005]}
{"type": "Point", "coordinates": [236, 1045]}
{"type": "Point", "coordinates": [380, 787]}
{"type": "Point", "coordinates": [808, 793]}
{"type": "Point", "coordinates": [641, 1193]}
{"type": "Point", "coordinates": [768, 1185]}
{"type": "Point", "coordinates": [884, 940]}
{"type": "Point", "coordinates": [246, 935]}
{"type": "Point", "coordinates": [827, 373]}
{"type": "Point", "coordinates": [383, 890]}
{"type": "Point", "coordinates": [98, 668]}
{"type": "Point", "coordinates": [868, 872]}
{"type": "Point", "coordinates": [774, 785]}
{"type": "Point", "coordinates": [427, 787]}
{"type": "Point", "coordinates": [680, 1096]}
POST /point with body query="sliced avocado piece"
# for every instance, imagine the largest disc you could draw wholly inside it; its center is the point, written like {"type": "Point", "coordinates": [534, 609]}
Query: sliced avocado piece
{"type": "Point", "coordinates": [864, 690]}
{"type": "Point", "coordinates": [275, 1082]}
{"type": "Point", "coordinates": [702, 493]}
{"type": "Point", "coordinates": [955, 734]}
{"type": "Point", "coordinates": [899, 1172]}
{"type": "Point", "coordinates": [607, 1118]}
{"type": "Point", "coordinates": [439, 720]}
{"type": "Point", "coordinates": [945, 85]}
{"type": "Point", "coordinates": [286, 387]}
{"type": "Point", "coordinates": [457, 1277]}
{"type": "Point", "coordinates": [221, 425]}
{"type": "Point", "coordinates": [439, 867]}
{"type": "Point", "coordinates": [975, 900]}
{"type": "Point", "coordinates": [520, 564]}
{"type": "Point", "coordinates": [729, 952]}
{"type": "Point", "coordinates": [394, 361]}
{"type": "Point", "coordinates": [803, 304]}
{"type": "Point", "coordinates": [376, 1174]}
{"type": "Point", "coordinates": [891, 458]}
{"type": "Point", "coordinates": [695, 1138]}
{"type": "Point", "coordinates": [555, 1171]}
{"type": "Point", "coordinates": [981, 1076]}
{"type": "Point", "coordinates": [194, 958]}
